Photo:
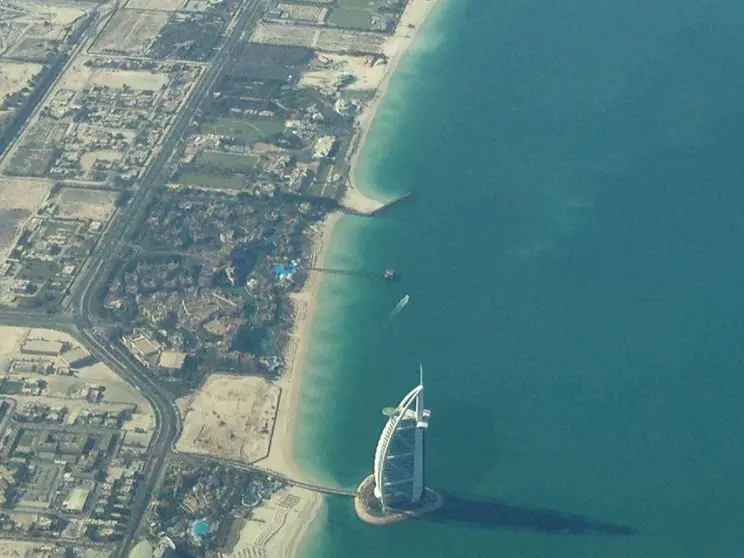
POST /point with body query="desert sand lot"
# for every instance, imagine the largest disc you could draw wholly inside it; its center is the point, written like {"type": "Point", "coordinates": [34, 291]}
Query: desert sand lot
{"type": "Point", "coordinates": [23, 193]}
{"type": "Point", "coordinates": [230, 417]}
{"type": "Point", "coordinates": [88, 159]}
{"type": "Point", "coordinates": [160, 5]}
{"type": "Point", "coordinates": [69, 390]}
{"type": "Point", "coordinates": [85, 204]}
{"type": "Point", "coordinates": [11, 221]}
{"type": "Point", "coordinates": [302, 12]}
{"type": "Point", "coordinates": [14, 549]}
{"type": "Point", "coordinates": [15, 75]}
{"type": "Point", "coordinates": [78, 76]}
{"type": "Point", "coordinates": [19, 199]}
{"type": "Point", "coordinates": [319, 38]}
{"type": "Point", "coordinates": [56, 14]}
{"type": "Point", "coordinates": [277, 525]}
{"type": "Point", "coordinates": [131, 32]}
{"type": "Point", "coordinates": [368, 72]}
{"type": "Point", "coordinates": [27, 25]}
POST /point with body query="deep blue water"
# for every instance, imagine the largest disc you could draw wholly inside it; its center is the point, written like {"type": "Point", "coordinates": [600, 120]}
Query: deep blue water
{"type": "Point", "coordinates": [575, 260]}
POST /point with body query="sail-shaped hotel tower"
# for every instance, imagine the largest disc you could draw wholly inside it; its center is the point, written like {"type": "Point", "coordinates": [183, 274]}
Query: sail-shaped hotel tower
{"type": "Point", "coordinates": [399, 458]}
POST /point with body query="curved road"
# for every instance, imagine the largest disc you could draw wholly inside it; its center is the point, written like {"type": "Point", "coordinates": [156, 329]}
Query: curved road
{"type": "Point", "coordinates": [83, 300]}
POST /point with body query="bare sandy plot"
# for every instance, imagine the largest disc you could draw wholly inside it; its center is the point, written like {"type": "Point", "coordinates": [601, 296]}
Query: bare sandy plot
{"type": "Point", "coordinates": [159, 5]}
{"type": "Point", "coordinates": [11, 222]}
{"type": "Point", "coordinates": [134, 79]}
{"type": "Point", "coordinates": [46, 32]}
{"type": "Point", "coordinates": [303, 12]}
{"type": "Point", "coordinates": [89, 158]}
{"type": "Point", "coordinates": [14, 76]}
{"type": "Point", "coordinates": [19, 198]}
{"type": "Point", "coordinates": [85, 204]}
{"type": "Point", "coordinates": [78, 75]}
{"type": "Point", "coordinates": [230, 417]}
{"type": "Point", "coordinates": [320, 38]}
{"type": "Point", "coordinates": [131, 32]}
{"type": "Point", "coordinates": [277, 525]}
{"type": "Point", "coordinates": [368, 72]}
{"type": "Point", "coordinates": [57, 14]}
{"type": "Point", "coordinates": [271, 34]}
{"type": "Point", "coordinates": [17, 549]}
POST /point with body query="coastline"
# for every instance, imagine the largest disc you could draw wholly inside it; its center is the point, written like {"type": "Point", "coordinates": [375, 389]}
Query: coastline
{"type": "Point", "coordinates": [281, 457]}
{"type": "Point", "coordinates": [414, 16]}
{"type": "Point", "coordinates": [281, 452]}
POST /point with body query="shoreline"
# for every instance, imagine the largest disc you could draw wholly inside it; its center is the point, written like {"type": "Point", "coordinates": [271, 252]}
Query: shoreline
{"type": "Point", "coordinates": [281, 457]}
{"type": "Point", "coordinates": [281, 451]}
{"type": "Point", "coordinates": [416, 13]}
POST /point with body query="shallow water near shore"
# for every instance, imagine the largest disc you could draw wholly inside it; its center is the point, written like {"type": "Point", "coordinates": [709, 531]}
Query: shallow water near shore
{"type": "Point", "coordinates": [574, 259]}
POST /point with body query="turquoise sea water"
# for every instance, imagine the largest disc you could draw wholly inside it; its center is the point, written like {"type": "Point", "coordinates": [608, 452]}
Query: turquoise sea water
{"type": "Point", "coordinates": [575, 260]}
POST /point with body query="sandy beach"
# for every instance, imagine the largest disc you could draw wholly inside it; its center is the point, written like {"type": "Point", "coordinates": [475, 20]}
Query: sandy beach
{"type": "Point", "coordinates": [280, 457]}
{"type": "Point", "coordinates": [309, 505]}
{"type": "Point", "coordinates": [395, 48]}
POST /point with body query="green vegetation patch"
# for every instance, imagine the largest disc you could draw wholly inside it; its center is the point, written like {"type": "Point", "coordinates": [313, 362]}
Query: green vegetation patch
{"type": "Point", "coordinates": [247, 130]}
{"type": "Point", "coordinates": [10, 387]}
{"type": "Point", "coordinates": [206, 180]}
{"type": "Point", "coordinates": [228, 161]}
{"type": "Point", "coordinates": [351, 18]}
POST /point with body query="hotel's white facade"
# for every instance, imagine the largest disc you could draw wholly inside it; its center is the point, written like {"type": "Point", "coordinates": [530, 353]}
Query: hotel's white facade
{"type": "Point", "coordinates": [399, 459]}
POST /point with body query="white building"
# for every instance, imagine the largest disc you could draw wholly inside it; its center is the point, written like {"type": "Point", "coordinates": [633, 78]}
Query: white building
{"type": "Point", "coordinates": [399, 459]}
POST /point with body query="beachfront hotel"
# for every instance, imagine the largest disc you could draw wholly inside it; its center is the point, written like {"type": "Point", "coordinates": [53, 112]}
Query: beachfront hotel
{"type": "Point", "coordinates": [399, 458]}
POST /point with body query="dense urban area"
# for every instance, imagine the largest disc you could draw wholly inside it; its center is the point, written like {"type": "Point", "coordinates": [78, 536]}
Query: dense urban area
{"type": "Point", "coordinates": [165, 166]}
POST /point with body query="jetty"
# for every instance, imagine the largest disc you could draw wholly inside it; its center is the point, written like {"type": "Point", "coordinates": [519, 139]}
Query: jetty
{"type": "Point", "coordinates": [392, 203]}
{"type": "Point", "coordinates": [314, 487]}
{"type": "Point", "coordinates": [387, 275]}
{"type": "Point", "coordinates": [382, 208]}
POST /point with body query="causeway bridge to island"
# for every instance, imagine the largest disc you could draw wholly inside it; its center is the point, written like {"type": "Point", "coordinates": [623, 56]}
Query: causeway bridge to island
{"type": "Point", "coordinates": [319, 488]}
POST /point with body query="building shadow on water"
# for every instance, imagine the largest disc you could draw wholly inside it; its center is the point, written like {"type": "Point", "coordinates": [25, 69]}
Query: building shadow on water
{"type": "Point", "coordinates": [492, 514]}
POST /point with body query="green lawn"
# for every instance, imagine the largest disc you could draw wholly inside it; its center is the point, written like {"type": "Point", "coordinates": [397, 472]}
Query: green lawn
{"type": "Point", "coordinates": [358, 4]}
{"type": "Point", "coordinates": [206, 180]}
{"type": "Point", "coordinates": [10, 387]}
{"type": "Point", "coordinates": [228, 161]}
{"type": "Point", "coordinates": [351, 18]}
{"type": "Point", "coordinates": [243, 129]}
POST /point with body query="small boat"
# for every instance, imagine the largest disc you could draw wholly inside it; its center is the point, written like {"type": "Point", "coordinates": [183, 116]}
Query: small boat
{"type": "Point", "coordinates": [390, 274]}
{"type": "Point", "coordinates": [401, 304]}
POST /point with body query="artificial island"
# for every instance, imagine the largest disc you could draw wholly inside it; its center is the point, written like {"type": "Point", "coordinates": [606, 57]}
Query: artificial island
{"type": "Point", "coordinates": [396, 490]}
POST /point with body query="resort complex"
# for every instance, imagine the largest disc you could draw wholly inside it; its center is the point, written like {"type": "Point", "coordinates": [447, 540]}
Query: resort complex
{"type": "Point", "coordinates": [399, 459]}
{"type": "Point", "coordinates": [396, 489]}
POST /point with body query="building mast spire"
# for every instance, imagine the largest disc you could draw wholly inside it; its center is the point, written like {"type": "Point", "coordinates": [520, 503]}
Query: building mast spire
{"type": "Point", "coordinates": [420, 396]}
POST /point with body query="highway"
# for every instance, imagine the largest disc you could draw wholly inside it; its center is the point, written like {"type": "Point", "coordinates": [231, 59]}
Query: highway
{"type": "Point", "coordinates": [79, 318]}
{"type": "Point", "coordinates": [100, 265]}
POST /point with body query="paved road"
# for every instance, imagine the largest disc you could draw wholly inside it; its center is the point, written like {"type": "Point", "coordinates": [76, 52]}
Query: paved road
{"type": "Point", "coordinates": [320, 488]}
{"type": "Point", "coordinates": [83, 299]}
